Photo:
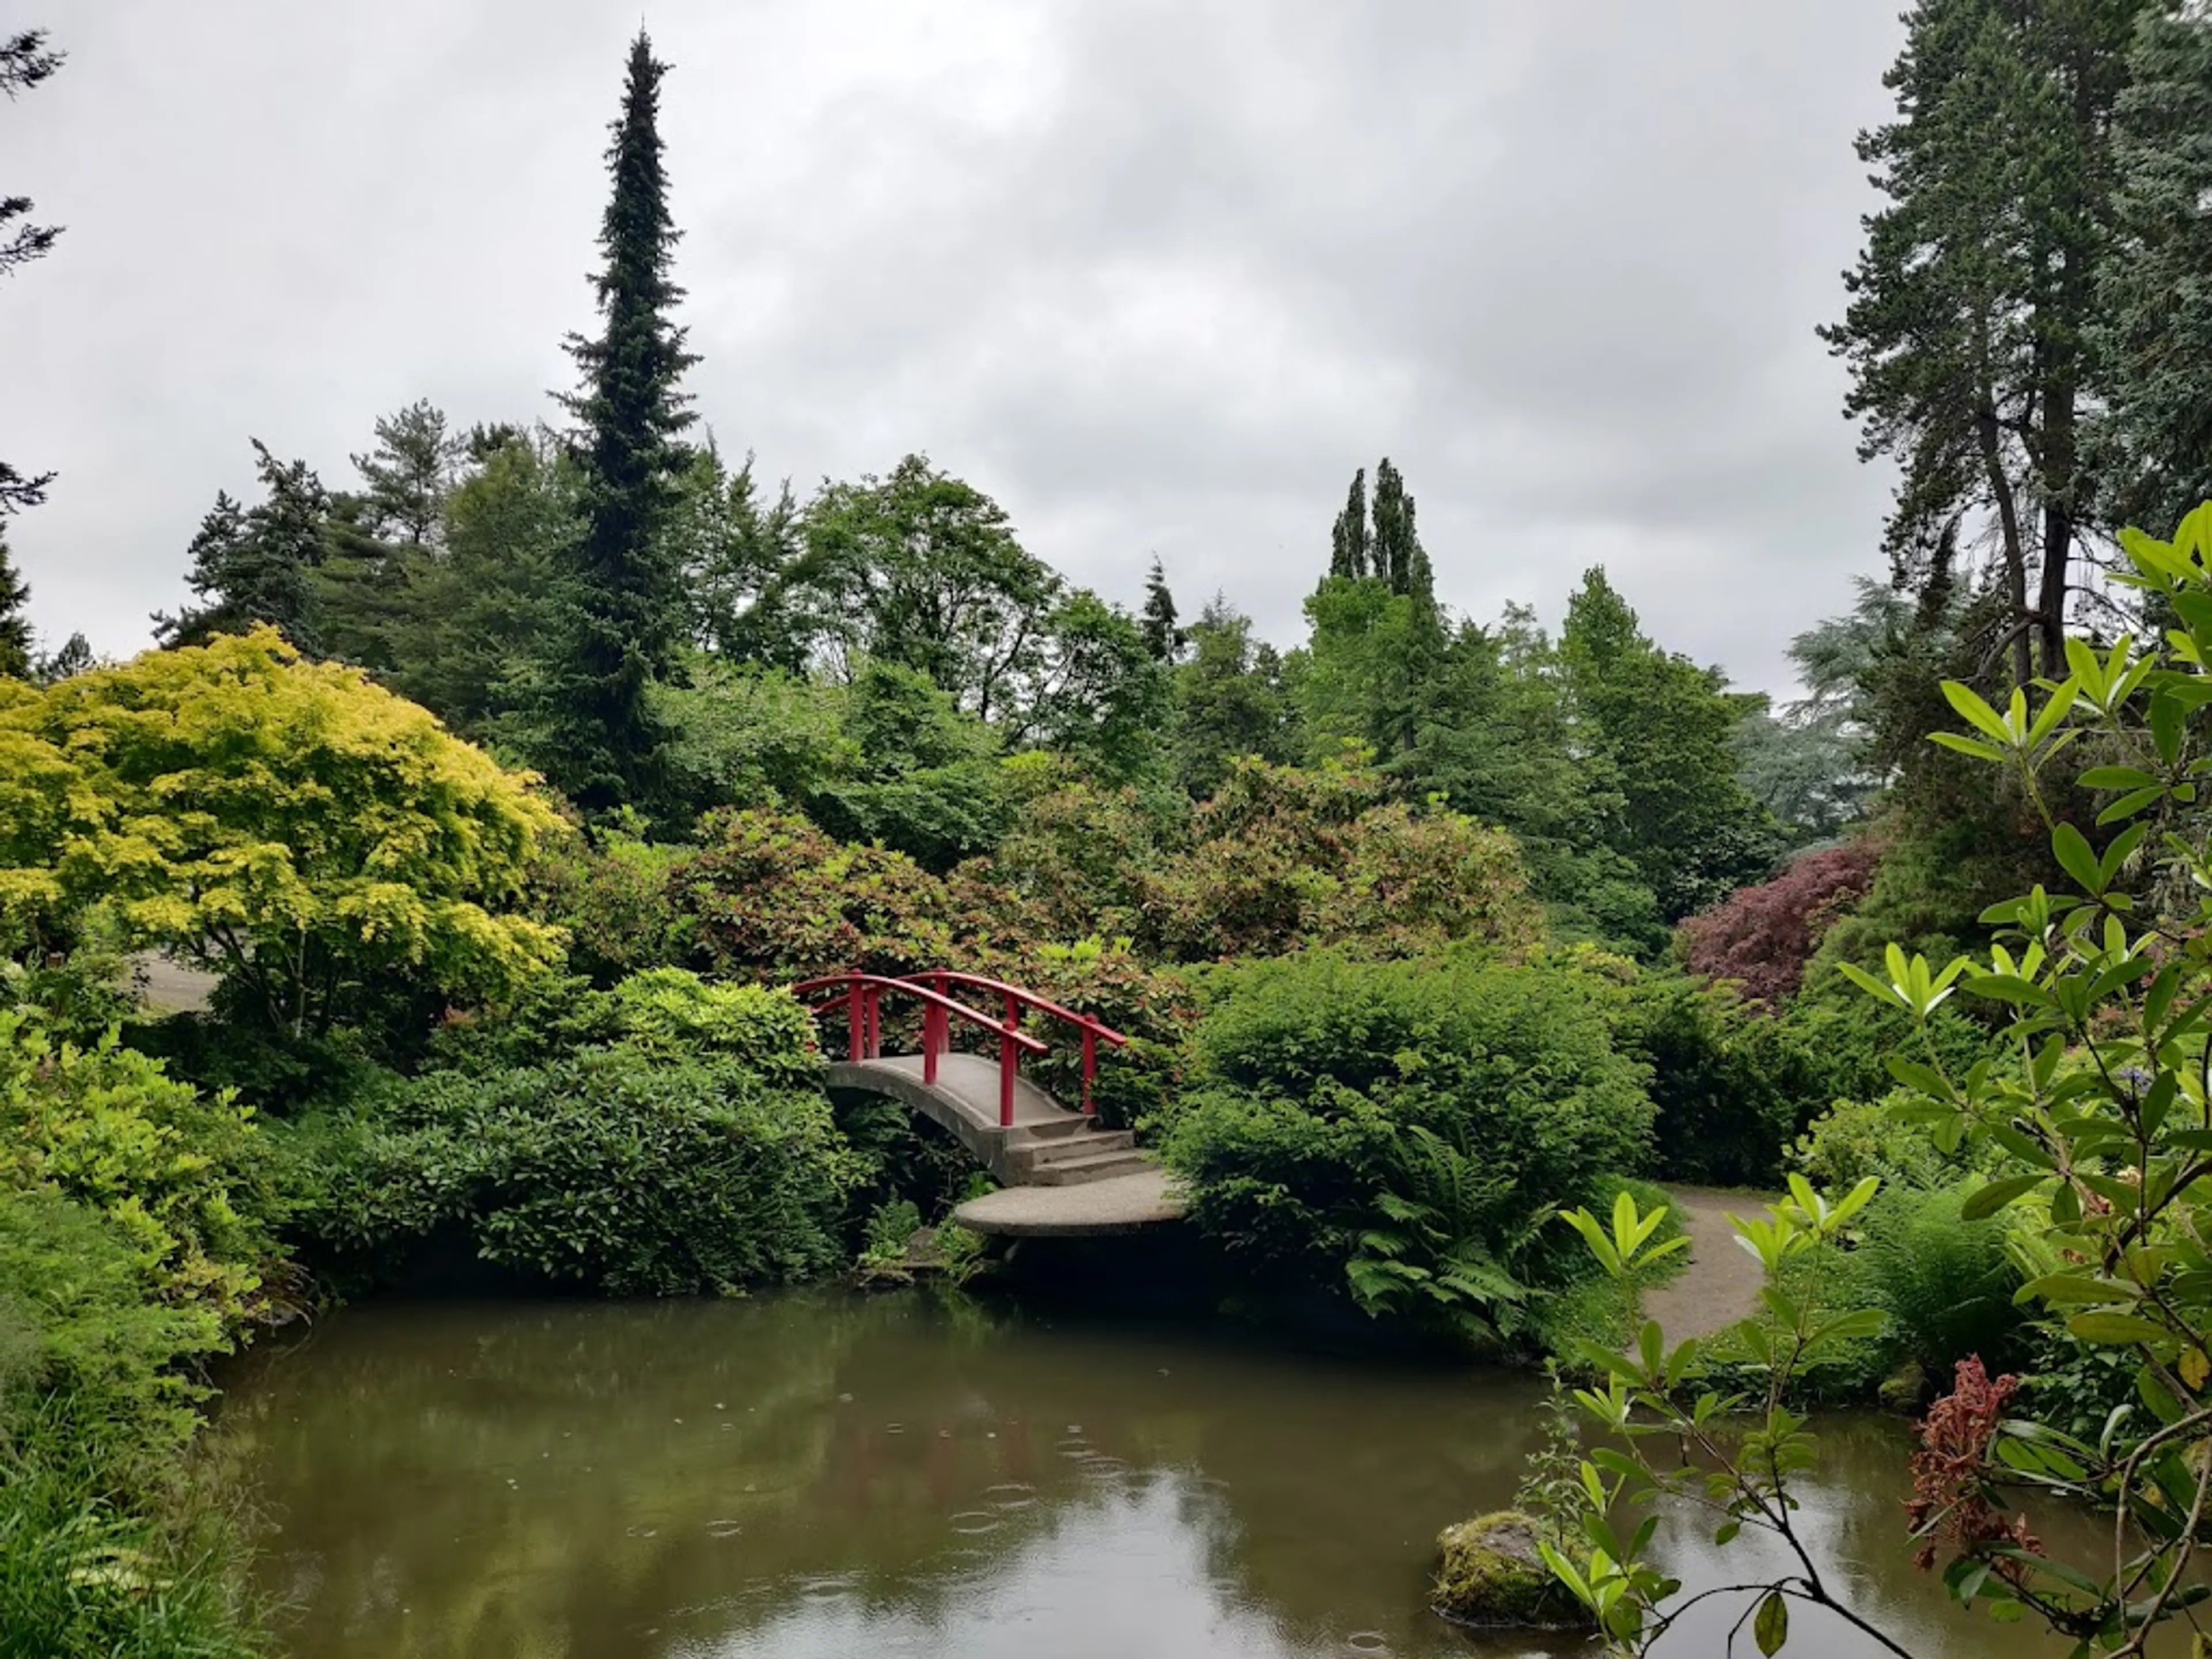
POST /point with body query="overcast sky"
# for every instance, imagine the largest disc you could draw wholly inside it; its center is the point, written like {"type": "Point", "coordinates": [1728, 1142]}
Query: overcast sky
{"type": "Point", "coordinates": [1157, 276]}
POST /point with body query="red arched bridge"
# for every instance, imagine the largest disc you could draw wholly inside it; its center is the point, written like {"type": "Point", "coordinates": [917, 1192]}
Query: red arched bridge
{"type": "Point", "coordinates": [1024, 1136]}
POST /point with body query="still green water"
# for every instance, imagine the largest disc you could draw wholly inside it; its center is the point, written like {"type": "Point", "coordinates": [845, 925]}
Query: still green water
{"type": "Point", "coordinates": [820, 1477]}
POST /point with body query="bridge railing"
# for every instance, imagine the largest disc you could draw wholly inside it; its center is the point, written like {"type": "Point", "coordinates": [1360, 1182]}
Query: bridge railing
{"type": "Point", "coordinates": [861, 996]}
{"type": "Point", "coordinates": [1013, 1000]}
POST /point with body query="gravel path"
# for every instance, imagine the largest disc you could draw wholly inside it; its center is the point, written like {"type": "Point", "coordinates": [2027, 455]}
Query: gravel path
{"type": "Point", "coordinates": [1721, 1285]}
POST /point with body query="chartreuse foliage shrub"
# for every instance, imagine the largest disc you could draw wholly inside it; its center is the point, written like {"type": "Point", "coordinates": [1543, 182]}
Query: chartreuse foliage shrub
{"type": "Point", "coordinates": [301, 830]}
{"type": "Point", "coordinates": [1403, 1129]}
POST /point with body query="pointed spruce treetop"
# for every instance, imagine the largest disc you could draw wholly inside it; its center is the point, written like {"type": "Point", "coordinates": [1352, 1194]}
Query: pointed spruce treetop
{"type": "Point", "coordinates": [622, 602]}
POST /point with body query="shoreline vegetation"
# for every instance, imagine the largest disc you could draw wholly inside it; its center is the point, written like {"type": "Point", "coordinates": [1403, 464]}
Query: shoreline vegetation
{"type": "Point", "coordinates": [501, 793]}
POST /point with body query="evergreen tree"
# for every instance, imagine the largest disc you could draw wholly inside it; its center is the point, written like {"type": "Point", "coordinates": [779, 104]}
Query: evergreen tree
{"type": "Point", "coordinates": [73, 658]}
{"type": "Point", "coordinates": [1348, 538]}
{"type": "Point", "coordinates": [1396, 555]}
{"type": "Point", "coordinates": [25, 61]}
{"type": "Point", "coordinates": [1666, 729]}
{"type": "Point", "coordinates": [2155, 331]}
{"type": "Point", "coordinates": [1967, 328]}
{"type": "Point", "coordinates": [1229, 701]}
{"type": "Point", "coordinates": [254, 565]}
{"type": "Point", "coordinates": [408, 476]}
{"type": "Point", "coordinates": [625, 614]}
{"type": "Point", "coordinates": [15, 618]}
{"type": "Point", "coordinates": [473, 621]}
{"type": "Point", "coordinates": [1162, 637]}
{"type": "Point", "coordinates": [735, 553]}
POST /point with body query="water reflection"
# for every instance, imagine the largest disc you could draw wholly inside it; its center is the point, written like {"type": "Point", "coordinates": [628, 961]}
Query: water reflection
{"type": "Point", "coordinates": [804, 1476]}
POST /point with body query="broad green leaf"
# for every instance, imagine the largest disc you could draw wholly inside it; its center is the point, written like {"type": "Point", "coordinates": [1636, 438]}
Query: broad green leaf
{"type": "Point", "coordinates": [1771, 1627]}
{"type": "Point", "coordinates": [2073, 852]}
{"type": "Point", "coordinates": [2115, 1329]}
{"type": "Point", "coordinates": [1986, 1201]}
{"type": "Point", "coordinates": [1976, 712]}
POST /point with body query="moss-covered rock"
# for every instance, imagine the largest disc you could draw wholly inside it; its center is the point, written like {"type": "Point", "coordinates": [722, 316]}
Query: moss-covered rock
{"type": "Point", "coordinates": [1905, 1388]}
{"type": "Point", "coordinates": [1492, 1574]}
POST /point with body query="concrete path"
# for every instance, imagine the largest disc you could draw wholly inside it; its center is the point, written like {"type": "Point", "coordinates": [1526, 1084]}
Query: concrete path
{"type": "Point", "coordinates": [171, 987]}
{"type": "Point", "coordinates": [1119, 1206]}
{"type": "Point", "coordinates": [1721, 1285]}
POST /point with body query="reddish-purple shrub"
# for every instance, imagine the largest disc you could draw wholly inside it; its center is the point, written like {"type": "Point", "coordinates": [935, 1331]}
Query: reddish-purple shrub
{"type": "Point", "coordinates": [1762, 937]}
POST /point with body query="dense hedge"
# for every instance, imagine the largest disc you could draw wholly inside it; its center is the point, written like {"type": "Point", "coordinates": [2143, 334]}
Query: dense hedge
{"type": "Point", "coordinates": [1403, 1129]}
{"type": "Point", "coordinates": [627, 1170]}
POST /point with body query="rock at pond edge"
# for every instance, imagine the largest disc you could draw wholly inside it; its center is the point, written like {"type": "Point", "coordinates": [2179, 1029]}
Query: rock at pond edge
{"type": "Point", "coordinates": [1491, 1575]}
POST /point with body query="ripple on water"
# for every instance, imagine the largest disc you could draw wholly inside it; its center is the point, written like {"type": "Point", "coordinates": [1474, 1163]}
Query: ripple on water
{"type": "Point", "coordinates": [973, 1523]}
{"type": "Point", "coordinates": [1368, 1641]}
{"type": "Point", "coordinates": [723, 1528]}
{"type": "Point", "coordinates": [826, 1587]}
{"type": "Point", "coordinates": [1011, 1495]}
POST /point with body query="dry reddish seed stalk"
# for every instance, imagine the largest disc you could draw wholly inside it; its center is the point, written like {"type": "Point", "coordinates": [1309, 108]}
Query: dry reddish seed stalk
{"type": "Point", "coordinates": [1947, 1473]}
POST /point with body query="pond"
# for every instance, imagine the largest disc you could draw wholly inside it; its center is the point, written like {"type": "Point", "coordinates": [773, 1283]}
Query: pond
{"type": "Point", "coordinates": [828, 1476]}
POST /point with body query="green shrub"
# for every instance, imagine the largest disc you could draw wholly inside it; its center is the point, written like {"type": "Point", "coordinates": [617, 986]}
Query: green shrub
{"type": "Point", "coordinates": [1402, 1128]}
{"type": "Point", "coordinates": [620, 1168]}
{"type": "Point", "coordinates": [670, 1012]}
{"type": "Point", "coordinates": [89, 1353]}
{"type": "Point", "coordinates": [1731, 1086]}
{"type": "Point", "coordinates": [1946, 1283]}
{"type": "Point", "coordinates": [185, 1178]}
{"type": "Point", "coordinates": [611, 896]}
{"type": "Point", "coordinates": [1853, 1140]}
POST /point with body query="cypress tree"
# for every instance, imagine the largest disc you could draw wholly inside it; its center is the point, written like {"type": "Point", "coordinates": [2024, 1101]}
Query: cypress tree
{"type": "Point", "coordinates": [1348, 538]}
{"type": "Point", "coordinates": [15, 618]}
{"type": "Point", "coordinates": [1162, 637]}
{"type": "Point", "coordinates": [623, 612]}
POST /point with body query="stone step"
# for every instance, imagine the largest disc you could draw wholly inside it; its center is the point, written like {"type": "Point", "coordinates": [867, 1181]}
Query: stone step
{"type": "Point", "coordinates": [1099, 1166]}
{"type": "Point", "coordinates": [1034, 1152]}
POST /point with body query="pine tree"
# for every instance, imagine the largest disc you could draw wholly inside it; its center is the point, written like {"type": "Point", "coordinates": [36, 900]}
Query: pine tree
{"type": "Point", "coordinates": [25, 61]}
{"type": "Point", "coordinates": [1162, 637]}
{"type": "Point", "coordinates": [15, 618]}
{"type": "Point", "coordinates": [625, 614]}
{"type": "Point", "coordinates": [1348, 538]}
{"type": "Point", "coordinates": [252, 565]}
{"type": "Point", "coordinates": [408, 474]}
{"type": "Point", "coordinates": [1970, 305]}
{"type": "Point", "coordinates": [2156, 305]}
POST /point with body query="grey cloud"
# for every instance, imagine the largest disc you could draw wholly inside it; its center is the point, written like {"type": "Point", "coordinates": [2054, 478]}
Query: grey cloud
{"type": "Point", "coordinates": [1158, 276]}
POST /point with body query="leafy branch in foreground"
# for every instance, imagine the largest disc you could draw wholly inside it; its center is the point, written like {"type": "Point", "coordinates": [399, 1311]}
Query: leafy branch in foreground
{"type": "Point", "coordinates": [2099, 1128]}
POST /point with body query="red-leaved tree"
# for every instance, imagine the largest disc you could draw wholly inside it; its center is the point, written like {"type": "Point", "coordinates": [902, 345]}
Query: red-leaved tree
{"type": "Point", "coordinates": [1762, 937]}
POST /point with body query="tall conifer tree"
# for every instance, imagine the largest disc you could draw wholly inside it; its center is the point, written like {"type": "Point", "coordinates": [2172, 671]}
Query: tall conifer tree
{"type": "Point", "coordinates": [625, 614]}
{"type": "Point", "coordinates": [1162, 639]}
{"type": "Point", "coordinates": [2156, 304]}
{"type": "Point", "coordinates": [251, 565]}
{"type": "Point", "coordinates": [1967, 331]}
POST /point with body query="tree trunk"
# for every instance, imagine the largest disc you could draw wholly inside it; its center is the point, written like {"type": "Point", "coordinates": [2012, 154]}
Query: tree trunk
{"type": "Point", "coordinates": [2015, 555]}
